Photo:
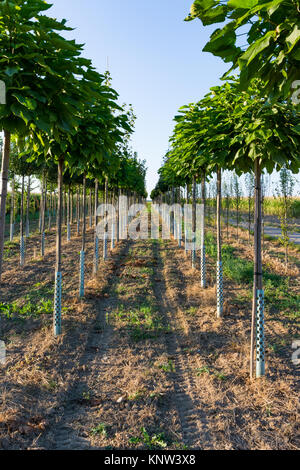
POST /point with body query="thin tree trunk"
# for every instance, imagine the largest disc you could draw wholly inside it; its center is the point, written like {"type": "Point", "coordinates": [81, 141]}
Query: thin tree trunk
{"type": "Point", "coordinates": [263, 219]}
{"type": "Point", "coordinates": [237, 221]}
{"type": "Point", "coordinates": [71, 209]}
{"type": "Point", "coordinates": [106, 199]}
{"type": "Point", "coordinates": [28, 208]}
{"type": "Point", "coordinates": [96, 240]}
{"type": "Point", "coordinates": [49, 210]}
{"type": "Point", "coordinates": [58, 265]}
{"type": "Point", "coordinates": [194, 222]}
{"type": "Point", "coordinates": [84, 214]}
{"type": "Point", "coordinates": [69, 215]}
{"type": "Point", "coordinates": [22, 208]}
{"type": "Point", "coordinates": [59, 214]}
{"type": "Point", "coordinates": [4, 181]}
{"type": "Point", "coordinates": [78, 209]}
{"type": "Point", "coordinates": [173, 212]}
{"type": "Point", "coordinates": [90, 208]}
{"type": "Point", "coordinates": [249, 218]}
{"type": "Point", "coordinates": [203, 254]}
{"type": "Point", "coordinates": [96, 202]}
{"type": "Point", "coordinates": [43, 210]}
{"type": "Point", "coordinates": [258, 282]}
{"type": "Point", "coordinates": [227, 215]}
{"type": "Point", "coordinates": [82, 253]}
{"type": "Point", "coordinates": [12, 210]}
{"type": "Point", "coordinates": [219, 247]}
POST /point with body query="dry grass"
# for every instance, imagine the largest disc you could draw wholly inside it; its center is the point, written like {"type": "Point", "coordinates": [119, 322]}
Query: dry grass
{"type": "Point", "coordinates": [121, 384]}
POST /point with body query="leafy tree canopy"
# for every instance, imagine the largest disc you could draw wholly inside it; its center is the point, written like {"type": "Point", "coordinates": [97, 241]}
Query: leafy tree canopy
{"type": "Point", "coordinates": [272, 29]}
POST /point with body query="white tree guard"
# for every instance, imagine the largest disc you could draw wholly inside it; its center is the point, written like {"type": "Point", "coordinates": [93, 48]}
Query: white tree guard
{"type": "Point", "coordinates": [57, 304]}
{"type": "Point", "coordinates": [260, 334]}
{"type": "Point", "coordinates": [220, 293]}
{"type": "Point", "coordinates": [81, 275]}
{"type": "Point", "coordinates": [22, 251]}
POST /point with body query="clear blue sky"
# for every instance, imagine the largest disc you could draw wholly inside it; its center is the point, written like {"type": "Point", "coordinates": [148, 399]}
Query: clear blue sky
{"type": "Point", "coordinates": [155, 58]}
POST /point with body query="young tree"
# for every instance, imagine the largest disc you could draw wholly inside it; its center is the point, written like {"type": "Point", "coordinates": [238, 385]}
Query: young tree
{"type": "Point", "coordinates": [227, 191]}
{"type": "Point", "coordinates": [31, 62]}
{"type": "Point", "coordinates": [21, 167]}
{"type": "Point", "coordinates": [237, 191]}
{"type": "Point", "coordinates": [284, 193]}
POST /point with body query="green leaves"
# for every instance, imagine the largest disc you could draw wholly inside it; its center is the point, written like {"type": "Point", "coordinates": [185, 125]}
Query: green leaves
{"type": "Point", "coordinates": [293, 38]}
{"type": "Point", "coordinates": [27, 102]}
{"type": "Point", "coordinates": [209, 11]}
{"type": "Point", "coordinates": [256, 48]}
{"type": "Point", "coordinates": [272, 53]}
{"type": "Point", "coordinates": [231, 128]}
{"type": "Point", "coordinates": [223, 42]}
{"type": "Point", "coordinates": [243, 4]}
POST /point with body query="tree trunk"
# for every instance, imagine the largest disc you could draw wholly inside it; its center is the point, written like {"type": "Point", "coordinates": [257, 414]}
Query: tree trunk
{"type": "Point", "coordinates": [22, 246]}
{"type": "Point", "coordinates": [90, 208]}
{"type": "Point", "coordinates": [4, 180]}
{"type": "Point", "coordinates": [82, 253]}
{"type": "Point", "coordinates": [96, 240]}
{"type": "Point", "coordinates": [78, 209]}
{"type": "Point", "coordinates": [84, 214]}
{"type": "Point", "coordinates": [237, 221]}
{"type": "Point", "coordinates": [69, 215]}
{"type": "Point", "coordinates": [43, 211]}
{"type": "Point", "coordinates": [227, 216]}
{"type": "Point", "coordinates": [194, 223]}
{"type": "Point", "coordinates": [249, 219]}
{"type": "Point", "coordinates": [12, 210]}
{"type": "Point", "coordinates": [263, 220]}
{"type": "Point", "coordinates": [106, 199]}
{"type": "Point", "coordinates": [58, 274]}
{"type": "Point", "coordinates": [28, 208]}
{"type": "Point", "coordinates": [172, 221]}
{"type": "Point", "coordinates": [71, 209]}
{"type": "Point", "coordinates": [203, 254]}
{"type": "Point", "coordinates": [257, 308]}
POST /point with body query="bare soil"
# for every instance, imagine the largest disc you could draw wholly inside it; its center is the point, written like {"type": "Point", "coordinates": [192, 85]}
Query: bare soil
{"type": "Point", "coordinates": [142, 362]}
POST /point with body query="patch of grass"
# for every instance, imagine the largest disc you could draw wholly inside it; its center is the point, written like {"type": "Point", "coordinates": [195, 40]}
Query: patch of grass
{"type": "Point", "coordinates": [138, 395]}
{"type": "Point", "coordinates": [147, 270]}
{"type": "Point", "coordinates": [167, 367]}
{"type": "Point", "coordinates": [192, 311]}
{"type": "Point", "coordinates": [121, 289]}
{"type": "Point", "coordinates": [210, 371]}
{"type": "Point", "coordinates": [142, 323]}
{"type": "Point", "coordinates": [52, 385]}
{"type": "Point", "coordinates": [87, 395]}
{"type": "Point", "coordinates": [27, 310]}
{"type": "Point", "coordinates": [100, 430]}
{"type": "Point", "coordinates": [278, 346]}
{"type": "Point", "coordinates": [234, 268]}
{"type": "Point", "coordinates": [202, 370]}
{"type": "Point", "coordinates": [278, 294]}
{"type": "Point", "coordinates": [156, 441]}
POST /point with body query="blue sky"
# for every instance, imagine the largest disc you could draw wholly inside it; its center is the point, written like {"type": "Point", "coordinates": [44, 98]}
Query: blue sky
{"type": "Point", "coordinates": [155, 59]}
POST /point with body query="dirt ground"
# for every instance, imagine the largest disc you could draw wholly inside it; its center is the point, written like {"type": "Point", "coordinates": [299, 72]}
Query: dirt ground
{"type": "Point", "coordinates": [142, 362]}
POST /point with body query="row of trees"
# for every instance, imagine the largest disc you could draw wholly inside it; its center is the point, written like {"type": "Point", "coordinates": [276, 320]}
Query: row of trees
{"type": "Point", "coordinates": [278, 199]}
{"type": "Point", "coordinates": [61, 116]}
{"type": "Point", "coordinates": [248, 125]}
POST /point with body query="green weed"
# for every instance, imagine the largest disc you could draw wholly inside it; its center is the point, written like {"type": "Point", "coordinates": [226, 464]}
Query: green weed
{"type": "Point", "coordinates": [156, 441]}
{"type": "Point", "coordinates": [100, 429]}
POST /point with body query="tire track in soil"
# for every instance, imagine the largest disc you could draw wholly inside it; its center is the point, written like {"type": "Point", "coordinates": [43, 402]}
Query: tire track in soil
{"type": "Point", "coordinates": [61, 435]}
{"type": "Point", "coordinates": [191, 414]}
